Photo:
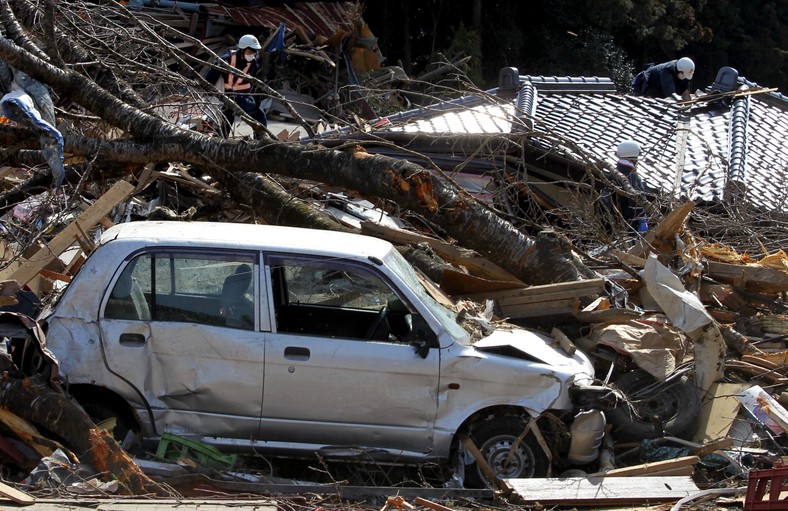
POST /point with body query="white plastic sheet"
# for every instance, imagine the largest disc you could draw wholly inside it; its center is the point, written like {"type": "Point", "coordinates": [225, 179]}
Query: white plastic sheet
{"type": "Point", "coordinates": [684, 309]}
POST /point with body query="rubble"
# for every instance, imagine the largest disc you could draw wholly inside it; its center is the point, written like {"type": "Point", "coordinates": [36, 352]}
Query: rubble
{"type": "Point", "coordinates": [756, 362]}
{"type": "Point", "coordinates": [669, 302]}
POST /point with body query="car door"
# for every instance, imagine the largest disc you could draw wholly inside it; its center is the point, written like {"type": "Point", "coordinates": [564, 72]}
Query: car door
{"type": "Point", "coordinates": [334, 376]}
{"type": "Point", "coordinates": [182, 328]}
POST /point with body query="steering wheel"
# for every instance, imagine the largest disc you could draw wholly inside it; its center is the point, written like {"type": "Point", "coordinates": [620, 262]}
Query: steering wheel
{"type": "Point", "coordinates": [378, 320]}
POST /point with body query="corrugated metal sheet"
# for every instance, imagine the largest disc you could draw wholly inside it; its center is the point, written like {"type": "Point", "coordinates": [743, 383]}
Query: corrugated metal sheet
{"type": "Point", "coordinates": [315, 18]}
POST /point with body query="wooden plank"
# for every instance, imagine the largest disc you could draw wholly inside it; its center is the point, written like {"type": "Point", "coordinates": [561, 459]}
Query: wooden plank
{"type": "Point", "coordinates": [550, 296]}
{"type": "Point", "coordinates": [756, 371]}
{"type": "Point", "coordinates": [454, 282]}
{"type": "Point", "coordinates": [4, 171]}
{"type": "Point", "coordinates": [718, 445]}
{"type": "Point", "coordinates": [338, 490]}
{"type": "Point", "coordinates": [430, 504]}
{"type": "Point", "coordinates": [481, 462]}
{"type": "Point", "coordinates": [597, 491]}
{"type": "Point", "coordinates": [71, 233]}
{"type": "Point", "coordinates": [566, 306]}
{"type": "Point", "coordinates": [606, 315]}
{"type": "Point", "coordinates": [656, 467]}
{"type": "Point", "coordinates": [561, 290]}
{"type": "Point", "coordinates": [759, 279]}
{"type": "Point", "coordinates": [17, 496]}
{"type": "Point", "coordinates": [567, 345]}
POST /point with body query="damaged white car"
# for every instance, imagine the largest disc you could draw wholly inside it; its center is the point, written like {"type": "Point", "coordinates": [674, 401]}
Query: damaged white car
{"type": "Point", "coordinates": [285, 341]}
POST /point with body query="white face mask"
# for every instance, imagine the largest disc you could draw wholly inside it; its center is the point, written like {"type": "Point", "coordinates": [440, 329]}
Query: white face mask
{"type": "Point", "coordinates": [248, 57]}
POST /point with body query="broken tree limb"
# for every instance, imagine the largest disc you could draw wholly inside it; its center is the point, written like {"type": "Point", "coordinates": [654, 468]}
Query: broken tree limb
{"type": "Point", "coordinates": [547, 259]}
{"type": "Point", "coordinates": [459, 257]}
{"type": "Point", "coordinates": [45, 407]}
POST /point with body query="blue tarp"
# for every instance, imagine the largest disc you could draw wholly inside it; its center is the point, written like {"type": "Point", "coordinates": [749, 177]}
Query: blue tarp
{"type": "Point", "coordinates": [28, 103]}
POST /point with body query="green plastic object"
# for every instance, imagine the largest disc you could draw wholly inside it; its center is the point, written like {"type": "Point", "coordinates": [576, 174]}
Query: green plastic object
{"type": "Point", "coordinates": [171, 447]}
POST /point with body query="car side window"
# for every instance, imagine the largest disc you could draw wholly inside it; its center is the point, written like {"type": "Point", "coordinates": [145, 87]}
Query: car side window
{"type": "Point", "coordinates": [335, 298]}
{"type": "Point", "coordinates": [212, 289]}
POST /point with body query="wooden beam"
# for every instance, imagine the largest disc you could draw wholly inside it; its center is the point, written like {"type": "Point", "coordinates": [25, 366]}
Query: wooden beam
{"type": "Point", "coordinates": [758, 279]}
{"type": "Point", "coordinates": [599, 491]}
{"type": "Point", "coordinates": [70, 234]}
{"type": "Point", "coordinates": [482, 463]}
{"type": "Point", "coordinates": [559, 291]}
{"type": "Point", "coordinates": [567, 345]}
{"type": "Point", "coordinates": [17, 496]}
{"type": "Point", "coordinates": [546, 308]}
{"type": "Point", "coordinates": [657, 467]}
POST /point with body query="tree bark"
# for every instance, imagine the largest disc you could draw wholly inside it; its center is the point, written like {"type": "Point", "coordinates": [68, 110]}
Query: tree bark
{"type": "Point", "coordinates": [47, 408]}
{"type": "Point", "coordinates": [270, 203]}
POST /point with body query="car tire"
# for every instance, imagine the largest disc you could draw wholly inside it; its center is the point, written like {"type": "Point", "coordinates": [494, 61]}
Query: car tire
{"type": "Point", "coordinates": [676, 406]}
{"type": "Point", "coordinates": [494, 438]}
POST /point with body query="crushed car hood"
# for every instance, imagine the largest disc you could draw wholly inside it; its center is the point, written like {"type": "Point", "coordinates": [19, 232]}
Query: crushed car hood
{"type": "Point", "coordinates": [530, 345]}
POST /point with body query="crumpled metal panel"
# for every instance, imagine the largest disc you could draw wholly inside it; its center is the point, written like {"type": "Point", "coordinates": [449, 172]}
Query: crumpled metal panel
{"type": "Point", "coordinates": [315, 18]}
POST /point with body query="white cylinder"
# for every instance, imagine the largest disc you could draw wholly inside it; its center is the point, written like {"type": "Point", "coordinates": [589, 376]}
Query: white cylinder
{"type": "Point", "coordinates": [588, 431]}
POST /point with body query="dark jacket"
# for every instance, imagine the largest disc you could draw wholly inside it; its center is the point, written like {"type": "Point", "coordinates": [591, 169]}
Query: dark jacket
{"type": "Point", "coordinates": [630, 209]}
{"type": "Point", "coordinates": [233, 83]}
{"type": "Point", "coordinates": [238, 88]}
{"type": "Point", "coordinates": [662, 80]}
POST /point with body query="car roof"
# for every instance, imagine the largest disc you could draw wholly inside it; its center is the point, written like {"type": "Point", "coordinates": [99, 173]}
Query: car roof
{"type": "Point", "coordinates": [247, 236]}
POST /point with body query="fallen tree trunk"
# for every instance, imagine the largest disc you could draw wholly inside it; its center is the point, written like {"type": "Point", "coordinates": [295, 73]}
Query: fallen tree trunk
{"type": "Point", "coordinates": [268, 201]}
{"type": "Point", "coordinates": [40, 404]}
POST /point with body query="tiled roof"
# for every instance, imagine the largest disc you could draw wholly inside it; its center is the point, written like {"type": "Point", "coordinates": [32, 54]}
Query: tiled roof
{"type": "Point", "coordinates": [691, 151]}
{"type": "Point", "coordinates": [597, 122]}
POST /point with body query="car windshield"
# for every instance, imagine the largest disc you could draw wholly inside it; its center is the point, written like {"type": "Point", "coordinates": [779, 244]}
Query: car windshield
{"type": "Point", "coordinates": [447, 316]}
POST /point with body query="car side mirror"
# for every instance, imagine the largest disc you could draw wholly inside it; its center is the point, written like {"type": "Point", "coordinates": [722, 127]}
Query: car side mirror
{"type": "Point", "coordinates": [422, 337]}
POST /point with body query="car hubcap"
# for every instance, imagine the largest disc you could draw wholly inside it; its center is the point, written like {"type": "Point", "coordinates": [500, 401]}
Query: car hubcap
{"type": "Point", "coordinates": [496, 451]}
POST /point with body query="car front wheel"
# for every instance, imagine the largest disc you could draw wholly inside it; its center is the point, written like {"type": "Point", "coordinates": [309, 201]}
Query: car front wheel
{"type": "Point", "coordinates": [494, 438]}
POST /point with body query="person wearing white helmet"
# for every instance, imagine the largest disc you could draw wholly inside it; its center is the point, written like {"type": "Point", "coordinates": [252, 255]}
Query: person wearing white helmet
{"type": "Point", "coordinates": [628, 152]}
{"type": "Point", "coordinates": [664, 80]}
{"type": "Point", "coordinates": [244, 59]}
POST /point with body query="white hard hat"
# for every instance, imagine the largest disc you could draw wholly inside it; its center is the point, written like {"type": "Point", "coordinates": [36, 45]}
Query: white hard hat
{"type": "Point", "coordinates": [628, 149]}
{"type": "Point", "coordinates": [249, 41]}
{"type": "Point", "coordinates": [686, 66]}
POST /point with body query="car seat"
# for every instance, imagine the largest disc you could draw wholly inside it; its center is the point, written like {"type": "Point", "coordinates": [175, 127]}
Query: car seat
{"type": "Point", "coordinates": [236, 308]}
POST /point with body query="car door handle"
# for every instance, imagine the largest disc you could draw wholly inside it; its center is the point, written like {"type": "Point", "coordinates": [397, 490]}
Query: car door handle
{"type": "Point", "coordinates": [132, 339]}
{"type": "Point", "coordinates": [294, 353]}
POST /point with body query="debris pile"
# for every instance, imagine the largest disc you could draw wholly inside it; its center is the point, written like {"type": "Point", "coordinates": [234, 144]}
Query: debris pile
{"type": "Point", "coordinates": [663, 312]}
{"type": "Point", "coordinates": [687, 335]}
